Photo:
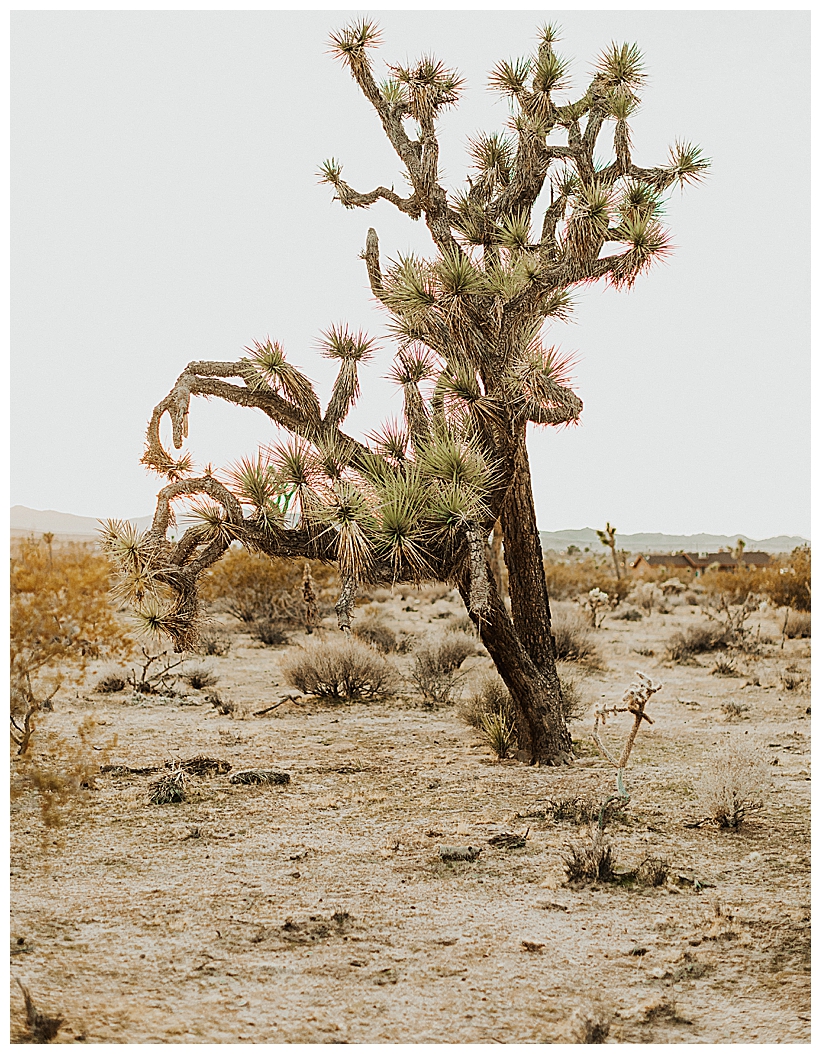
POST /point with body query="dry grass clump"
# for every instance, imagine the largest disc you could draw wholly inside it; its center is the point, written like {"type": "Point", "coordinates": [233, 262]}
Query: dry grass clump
{"type": "Point", "coordinates": [436, 665]}
{"type": "Point", "coordinates": [573, 639]}
{"type": "Point", "coordinates": [169, 789]}
{"type": "Point", "coordinates": [340, 669]}
{"type": "Point", "coordinates": [590, 861]}
{"type": "Point", "coordinates": [725, 667]}
{"type": "Point", "coordinates": [628, 615]}
{"type": "Point", "coordinates": [111, 681]}
{"type": "Point", "coordinates": [734, 711]}
{"type": "Point", "coordinates": [696, 640]}
{"type": "Point", "coordinates": [653, 871]}
{"type": "Point", "coordinates": [732, 782]}
{"type": "Point", "coordinates": [199, 677]}
{"type": "Point", "coordinates": [799, 625]}
{"type": "Point", "coordinates": [264, 776]}
{"type": "Point", "coordinates": [573, 703]}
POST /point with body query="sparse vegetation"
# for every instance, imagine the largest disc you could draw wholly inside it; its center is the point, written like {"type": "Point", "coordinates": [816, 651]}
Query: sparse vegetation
{"type": "Point", "coordinates": [732, 783]}
{"type": "Point", "coordinates": [199, 677]}
{"type": "Point", "coordinates": [170, 789]}
{"type": "Point", "coordinates": [593, 860]}
{"type": "Point", "coordinates": [436, 672]}
{"type": "Point", "coordinates": [212, 642]}
{"type": "Point", "coordinates": [573, 639]}
{"type": "Point", "coordinates": [734, 710]}
{"type": "Point", "coordinates": [344, 669]}
{"type": "Point", "coordinates": [270, 632]}
{"type": "Point", "coordinates": [499, 733]}
{"type": "Point", "coordinates": [110, 682]}
{"type": "Point", "coordinates": [696, 640]}
{"type": "Point", "coordinates": [798, 625]}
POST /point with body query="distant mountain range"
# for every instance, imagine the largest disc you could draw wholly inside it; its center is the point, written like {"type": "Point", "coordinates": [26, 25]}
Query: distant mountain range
{"type": "Point", "coordinates": [668, 543]}
{"type": "Point", "coordinates": [84, 528]}
{"type": "Point", "coordinates": [25, 521]}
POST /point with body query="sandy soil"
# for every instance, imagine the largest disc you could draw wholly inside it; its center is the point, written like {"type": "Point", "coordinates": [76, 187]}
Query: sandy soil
{"type": "Point", "coordinates": [321, 911]}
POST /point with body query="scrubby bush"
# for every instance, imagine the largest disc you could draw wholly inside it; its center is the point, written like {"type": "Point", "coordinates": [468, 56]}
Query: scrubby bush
{"type": "Point", "coordinates": [499, 732]}
{"type": "Point", "coordinates": [628, 615]}
{"type": "Point", "coordinates": [270, 632]}
{"type": "Point", "coordinates": [789, 583]}
{"type": "Point", "coordinates": [573, 639]}
{"type": "Point", "coordinates": [255, 588]}
{"type": "Point", "coordinates": [696, 640]}
{"type": "Point", "coordinates": [200, 677]}
{"type": "Point", "coordinates": [799, 625]}
{"type": "Point", "coordinates": [574, 706]}
{"type": "Point", "coordinates": [569, 577]}
{"type": "Point", "coordinates": [590, 861]}
{"type": "Point", "coordinates": [345, 669]}
{"type": "Point", "coordinates": [732, 783]}
{"type": "Point", "coordinates": [110, 682]}
{"type": "Point", "coordinates": [435, 671]}
{"type": "Point", "coordinates": [489, 697]}
{"type": "Point", "coordinates": [375, 631]}
{"type": "Point", "coordinates": [60, 613]}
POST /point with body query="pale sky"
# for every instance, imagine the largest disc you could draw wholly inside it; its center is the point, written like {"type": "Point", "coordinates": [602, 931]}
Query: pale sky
{"type": "Point", "coordinates": [165, 208]}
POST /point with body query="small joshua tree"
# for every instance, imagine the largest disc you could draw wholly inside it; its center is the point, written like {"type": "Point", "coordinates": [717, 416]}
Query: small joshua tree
{"type": "Point", "coordinates": [608, 537]}
{"type": "Point", "coordinates": [417, 500]}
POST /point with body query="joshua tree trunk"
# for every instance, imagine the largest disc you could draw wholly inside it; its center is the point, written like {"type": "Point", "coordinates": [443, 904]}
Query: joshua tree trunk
{"type": "Point", "coordinates": [536, 693]}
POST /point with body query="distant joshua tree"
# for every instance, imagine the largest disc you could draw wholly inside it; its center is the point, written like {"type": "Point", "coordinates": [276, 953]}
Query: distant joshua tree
{"type": "Point", "coordinates": [418, 499]}
{"type": "Point", "coordinates": [608, 537]}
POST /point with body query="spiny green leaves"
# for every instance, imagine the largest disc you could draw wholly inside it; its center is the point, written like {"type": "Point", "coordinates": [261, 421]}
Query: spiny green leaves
{"type": "Point", "coordinates": [401, 535]}
{"type": "Point", "coordinates": [330, 171]}
{"type": "Point", "coordinates": [413, 365]}
{"type": "Point", "coordinates": [639, 201]}
{"type": "Point", "coordinates": [351, 43]}
{"type": "Point", "coordinates": [549, 73]}
{"type": "Point", "coordinates": [409, 286]}
{"type": "Point", "coordinates": [514, 231]}
{"type": "Point", "coordinates": [212, 522]}
{"type": "Point", "coordinates": [648, 241]}
{"type": "Point", "coordinates": [449, 459]}
{"type": "Point", "coordinates": [493, 156]}
{"type": "Point", "coordinates": [266, 366]}
{"type": "Point", "coordinates": [457, 276]}
{"type": "Point", "coordinates": [621, 66]}
{"type": "Point", "coordinates": [687, 163]}
{"type": "Point", "coordinates": [510, 77]}
{"type": "Point", "coordinates": [339, 342]}
{"type": "Point", "coordinates": [123, 542]}
{"type": "Point", "coordinates": [392, 441]}
{"type": "Point", "coordinates": [538, 385]}
{"type": "Point", "coordinates": [429, 87]}
{"type": "Point", "coordinates": [254, 481]}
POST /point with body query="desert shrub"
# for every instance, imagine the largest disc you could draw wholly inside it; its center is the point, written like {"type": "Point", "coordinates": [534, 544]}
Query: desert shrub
{"type": "Point", "coordinates": [489, 697]}
{"type": "Point", "coordinates": [499, 733]}
{"type": "Point", "coordinates": [725, 667]}
{"type": "Point", "coordinates": [648, 596]}
{"type": "Point", "coordinates": [590, 861]}
{"type": "Point", "coordinates": [696, 640]}
{"type": "Point", "coordinates": [40, 1027]}
{"type": "Point", "coordinates": [375, 631]}
{"type": "Point", "coordinates": [628, 615]}
{"type": "Point", "coordinates": [690, 598]}
{"type": "Point", "coordinates": [652, 871]}
{"type": "Point", "coordinates": [270, 632]}
{"type": "Point", "coordinates": [791, 680]}
{"type": "Point", "coordinates": [60, 613]}
{"type": "Point", "coordinates": [111, 681]}
{"type": "Point", "coordinates": [735, 583]}
{"type": "Point", "coordinates": [573, 639]}
{"type": "Point", "coordinates": [255, 588]}
{"type": "Point", "coordinates": [732, 782]}
{"type": "Point", "coordinates": [788, 584]}
{"type": "Point", "coordinates": [213, 643]}
{"type": "Point", "coordinates": [734, 710]}
{"type": "Point", "coordinates": [569, 577]}
{"type": "Point", "coordinates": [799, 625]}
{"type": "Point", "coordinates": [340, 669]}
{"type": "Point", "coordinates": [200, 677]}
{"type": "Point", "coordinates": [436, 665]}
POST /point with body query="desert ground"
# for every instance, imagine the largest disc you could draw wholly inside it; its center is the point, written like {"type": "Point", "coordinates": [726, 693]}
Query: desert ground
{"type": "Point", "coordinates": [322, 911]}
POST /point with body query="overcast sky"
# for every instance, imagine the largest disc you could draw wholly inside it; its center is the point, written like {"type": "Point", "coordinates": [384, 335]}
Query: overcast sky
{"type": "Point", "coordinates": [166, 208]}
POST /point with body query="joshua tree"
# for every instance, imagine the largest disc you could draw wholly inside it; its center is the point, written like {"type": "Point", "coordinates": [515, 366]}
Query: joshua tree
{"type": "Point", "coordinates": [418, 499]}
{"type": "Point", "coordinates": [608, 537]}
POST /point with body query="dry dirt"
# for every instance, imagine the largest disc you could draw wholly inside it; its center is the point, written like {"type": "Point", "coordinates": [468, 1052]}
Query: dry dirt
{"type": "Point", "coordinates": [320, 911]}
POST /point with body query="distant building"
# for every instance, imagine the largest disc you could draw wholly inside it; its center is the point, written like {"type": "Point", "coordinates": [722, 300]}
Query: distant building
{"type": "Point", "coordinates": [724, 561]}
